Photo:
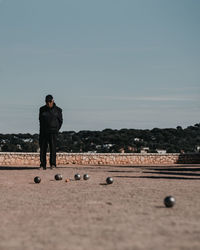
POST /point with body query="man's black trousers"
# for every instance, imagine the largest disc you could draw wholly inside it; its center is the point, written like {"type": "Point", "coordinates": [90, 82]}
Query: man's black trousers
{"type": "Point", "coordinates": [45, 140]}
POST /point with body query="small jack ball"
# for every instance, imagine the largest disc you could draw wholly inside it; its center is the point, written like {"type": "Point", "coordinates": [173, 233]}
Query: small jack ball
{"type": "Point", "coordinates": [169, 201]}
{"type": "Point", "coordinates": [58, 177]}
{"type": "Point", "coordinates": [86, 177]}
{"type": "Point", "coordinates": [37, 179]}
{"type": "Point", "coordinates": [77, 177]}
{"type": "Point", "coordinates": [109, 180]}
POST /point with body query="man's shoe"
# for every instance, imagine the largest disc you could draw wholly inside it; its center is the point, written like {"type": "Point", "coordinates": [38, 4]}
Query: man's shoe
{"type": "Point", "coordinates": [42, 167]}
{"type": "Point", "coordinates": [52, 166]}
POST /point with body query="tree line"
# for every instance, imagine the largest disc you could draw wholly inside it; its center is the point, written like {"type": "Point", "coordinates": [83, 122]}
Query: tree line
{"type": "Point", "coordinates": [173, 140]}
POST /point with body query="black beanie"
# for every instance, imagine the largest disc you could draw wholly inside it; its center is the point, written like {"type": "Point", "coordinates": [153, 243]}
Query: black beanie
{"type": "Point", "coordinates": [48, 98]}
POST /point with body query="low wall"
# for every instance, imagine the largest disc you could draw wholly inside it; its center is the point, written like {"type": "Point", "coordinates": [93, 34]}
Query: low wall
{"type": "Point", "coordinates": [32, 159]}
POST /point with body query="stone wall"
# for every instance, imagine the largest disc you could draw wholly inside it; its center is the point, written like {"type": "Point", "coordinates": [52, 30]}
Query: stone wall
{"type": "Point", "coordinates": [32, 159]}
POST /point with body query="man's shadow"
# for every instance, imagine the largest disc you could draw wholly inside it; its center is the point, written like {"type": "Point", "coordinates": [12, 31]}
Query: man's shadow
{"type": "Point", "coordinates": [18, 168]}
{"type": "Point", "coordinates": [179, 173]}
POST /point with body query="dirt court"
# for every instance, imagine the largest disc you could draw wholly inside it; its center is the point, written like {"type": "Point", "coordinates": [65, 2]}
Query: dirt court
{"type": "Point", "coordinates": [128, 214]}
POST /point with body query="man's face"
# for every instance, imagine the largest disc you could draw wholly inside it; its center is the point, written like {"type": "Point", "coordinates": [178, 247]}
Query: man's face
{"type": "Point", "coordinates": [50, 104]}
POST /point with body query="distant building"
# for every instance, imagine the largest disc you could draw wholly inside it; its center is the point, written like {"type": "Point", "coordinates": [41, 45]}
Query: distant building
{"type": "Point", "coordinates": [108, 145]}
{"type": "Point", "coordinates": [19, 146]}
{"type": "Point", "coordinates": [121, 150]}
{"type": "Point", "coordinates": [27, 140]}
{"type": "Point", "coordinates": [137, 139]}
{"type": "Point", "coordinates": [144, 150]}
{"type": "Point", "coordinates": [132, 149]}
{"type": "Point", "coordinates": [161, 151]}
{"type": "Point", "coordinates": [198, 148]}
{"type": "Point", "coordinates": [3, 141]}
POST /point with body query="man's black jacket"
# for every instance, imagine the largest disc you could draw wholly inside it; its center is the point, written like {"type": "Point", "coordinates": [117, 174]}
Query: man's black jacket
{"type": "Point", "coordinates": [50, 119]}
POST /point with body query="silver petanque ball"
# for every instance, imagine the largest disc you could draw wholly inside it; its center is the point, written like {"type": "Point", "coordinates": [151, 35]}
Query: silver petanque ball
{"type": "Point", "coordinates": [37, 179]}
{"type": "Point", "coordinates": [169, 201]}
{"type": "Point", "coordinates": [86, 177]}
{"type": "Point", "coordinates": [58, 177]}
{"type": "Point", "coordinates": [109, 180]}
{"type": "Point", "coordinates": [77, 177]}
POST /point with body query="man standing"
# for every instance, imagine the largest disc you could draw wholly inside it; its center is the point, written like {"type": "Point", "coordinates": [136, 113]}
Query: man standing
{"type": "Point", "coordinates": [50, 118]}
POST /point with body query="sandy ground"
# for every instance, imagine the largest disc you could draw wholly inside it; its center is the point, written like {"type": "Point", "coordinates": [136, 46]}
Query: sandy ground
{"type": "Point", "coordinates": [129, 214]}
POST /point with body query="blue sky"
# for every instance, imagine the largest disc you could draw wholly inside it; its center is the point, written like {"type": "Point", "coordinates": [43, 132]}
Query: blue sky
{"type": "Point", "coordinates": [108, 63]}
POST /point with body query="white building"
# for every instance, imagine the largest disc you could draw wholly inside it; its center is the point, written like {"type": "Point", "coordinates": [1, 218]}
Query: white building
{"type": "Point", "coordinates": [198, 148]}
{"type": "Point", "coordinates": [108, 145]}
{"type": "Point", "coordinates": [161, 151]}
{"type": "Point", "coordinates": [27, 140]}
{"type": "Point", "coordinates": [144, 150]}
{"type": "Point", "coordinates": [19, 146]}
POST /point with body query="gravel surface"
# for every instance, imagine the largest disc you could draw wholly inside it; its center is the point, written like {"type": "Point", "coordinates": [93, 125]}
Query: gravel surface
{"type": "Point", "coordinates": [128, 214]}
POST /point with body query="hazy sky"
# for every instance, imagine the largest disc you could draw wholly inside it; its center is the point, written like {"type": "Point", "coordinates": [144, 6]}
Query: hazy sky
{"type": "Point", "coordinates": [108, 63]}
